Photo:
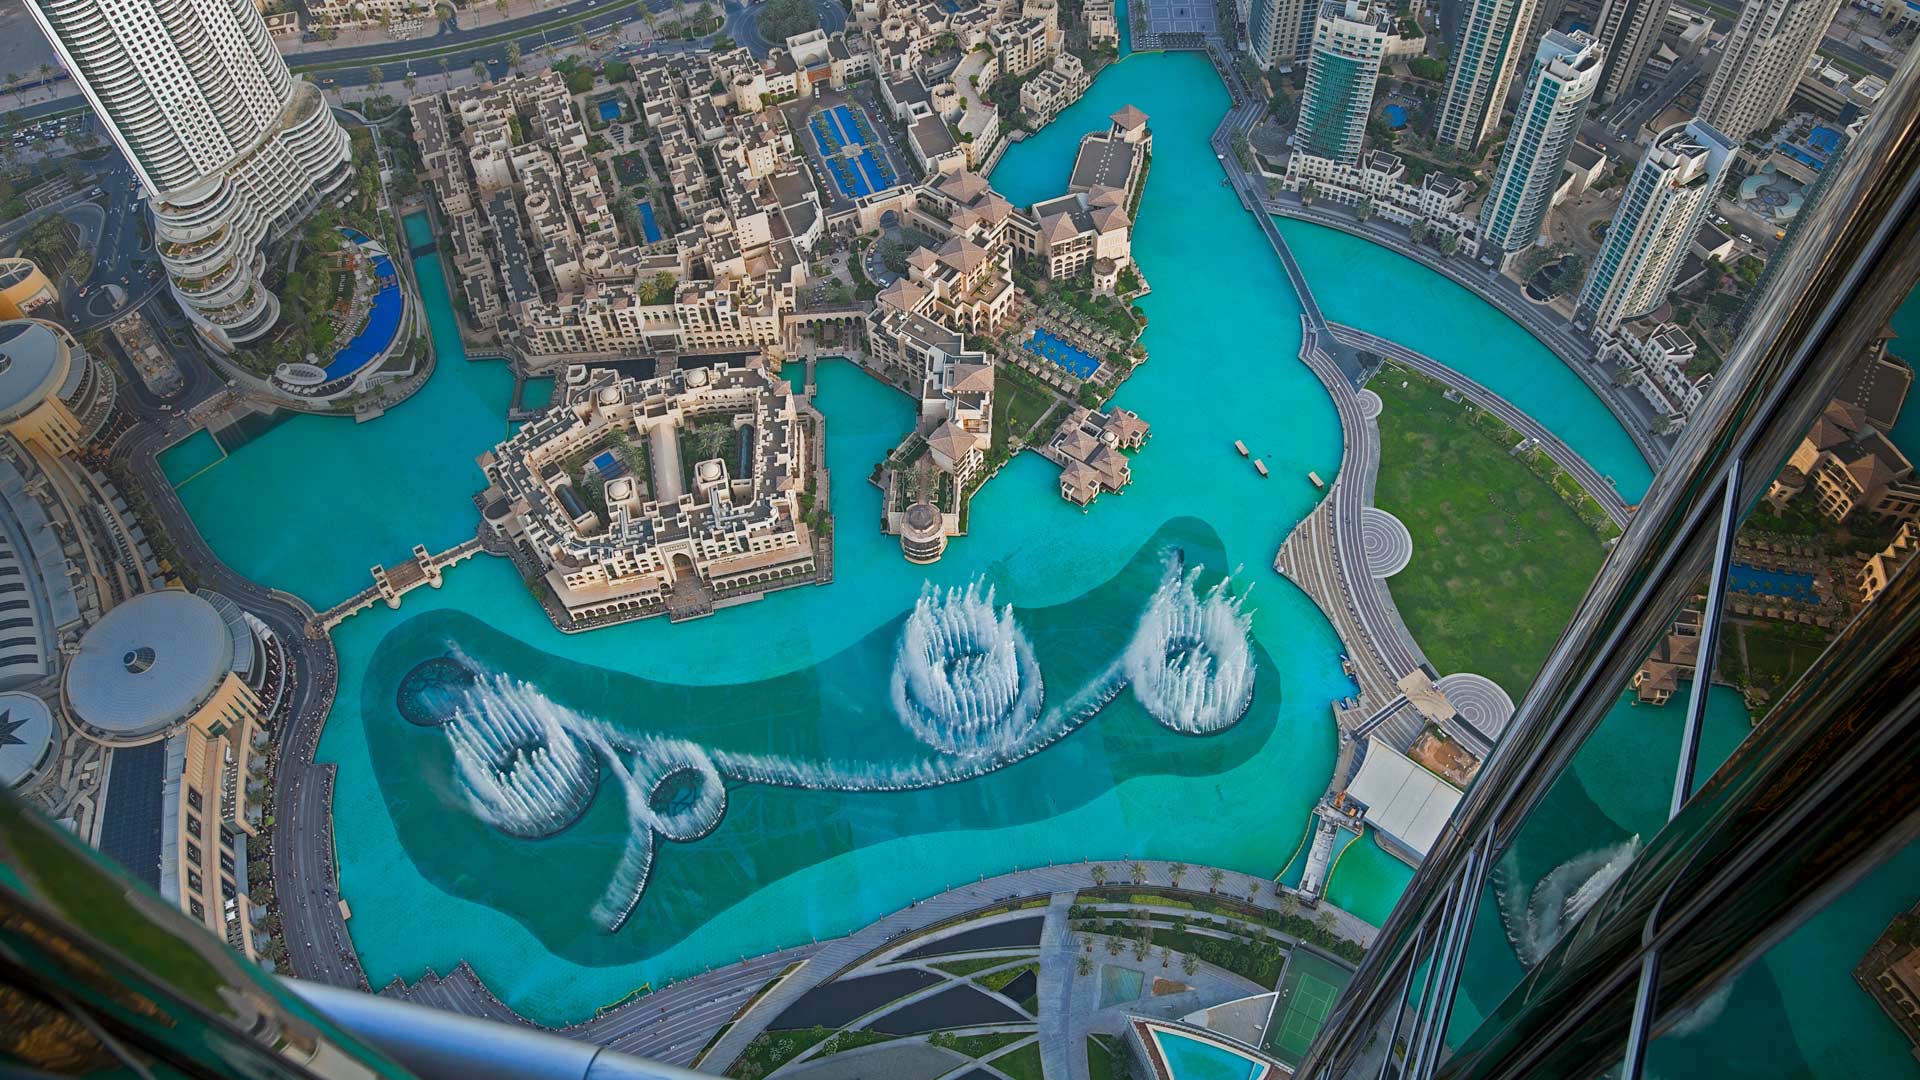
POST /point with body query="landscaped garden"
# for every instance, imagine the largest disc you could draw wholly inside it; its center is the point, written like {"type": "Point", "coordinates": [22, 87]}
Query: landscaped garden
{"type": "Point", "coordinates": [1500, 558]}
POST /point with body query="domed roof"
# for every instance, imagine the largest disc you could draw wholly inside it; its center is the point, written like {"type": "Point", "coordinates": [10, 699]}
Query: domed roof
{"type": "Point", "coordinates": [26, 733]}
{"type": "Point", "coordinates": [148, 665]}
{"type": "Point", "coordinates": [33, 360]}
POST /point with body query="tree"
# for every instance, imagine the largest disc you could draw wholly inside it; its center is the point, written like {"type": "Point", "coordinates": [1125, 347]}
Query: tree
{"type": "Point", "coordinates": [1189, 963]}
{"type": "Point", "coordinates": [408, 82]}
{"type": "Point", "coordinates": [513, 56]}
{"type": "Point", "coordinates": [1449, 244]}
{"type": "Point", "coordinates": [501, 7]}
{"type": "Point", "coordinates": [1363, 209]}
{"type": "Point", "coordinates": [1137, 871]}
{"type": "Point", "coordinates": [1215, 876]}
{"type": "Point", "coordinates": [480, 70]}
{"type": "Point", "coordinates": [1289, 904]}
{"type": "Point", "coordinates": [1176, 872]}
{"type": "Point", "coordinates": [1083, 964]}
{"type": "Point", "coordinates": [1141, 946]}
{"type": "Point", "coordinates": [1418, 231]}
{"type": "Point", "coordinates": [1426, 67]}
{"type": "Point", "coordinates": [1307, 192]}
{"type": "Point", "coordinates": [1099, 874]}
{"type": "Point", "coordinates": [375, 77]}
{"type": "Point", "coordinates": [1114, 946]}
{"type": "Point", "coordinates": [1326, 921]}
{"type": "Point", "coordinates": [1572, 269]}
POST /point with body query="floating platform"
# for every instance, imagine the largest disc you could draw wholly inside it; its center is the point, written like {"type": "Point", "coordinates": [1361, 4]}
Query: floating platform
{"type": "Point", "coordinates": [1259, 466]}
{"type": "Point", "coordinates": [1240, 446]}
{"type": "Point", "coordinates": [1315, 477]}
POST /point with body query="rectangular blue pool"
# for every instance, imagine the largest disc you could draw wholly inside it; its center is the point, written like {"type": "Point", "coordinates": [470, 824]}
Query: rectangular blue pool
{"type": "Point", "coordinates": [1753, 580]}
{"type": "Point", "coordinates": [1072, 359]}
{"type": "Point", "coordinates": [610, 110]}
{"type": "Point", "coordinates": [647, 223]}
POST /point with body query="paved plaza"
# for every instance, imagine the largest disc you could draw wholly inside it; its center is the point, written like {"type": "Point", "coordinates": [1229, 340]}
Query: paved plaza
{"type": "Point", "coordinates": [1181, 17]}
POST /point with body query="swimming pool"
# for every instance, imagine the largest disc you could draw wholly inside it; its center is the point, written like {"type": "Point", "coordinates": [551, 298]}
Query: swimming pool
{"type": "Point", "coordinates": [1396, 116]}
{"type": "Point", "coordinates": [1189, 1058]}
{"type": "Point", "coordinates": [648, 225]}
{"type": "Point", "coordinates": [609, 109]}
{"type": "Point", "coordinates": [383, 319]}
{"type": "Point", "coordinates": [1752, 579]}
{"type": "Point", "coordinates": [1071, 358]}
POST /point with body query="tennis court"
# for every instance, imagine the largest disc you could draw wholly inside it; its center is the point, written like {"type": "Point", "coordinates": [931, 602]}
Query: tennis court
{"type": "Point", "coordinates": [1306, 997]}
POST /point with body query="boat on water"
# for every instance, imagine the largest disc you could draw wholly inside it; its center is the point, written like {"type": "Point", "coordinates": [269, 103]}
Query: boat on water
{"type": "Point", "coordinates": [1315, 477]}
{"type": "Point", "coordinates": [1240, 446]}
{"type": "Point", "coordinates": [1260, 466]}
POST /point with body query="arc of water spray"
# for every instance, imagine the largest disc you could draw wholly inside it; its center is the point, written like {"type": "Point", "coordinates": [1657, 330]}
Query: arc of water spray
{"type": "Point", "coordinates": [966, 683]}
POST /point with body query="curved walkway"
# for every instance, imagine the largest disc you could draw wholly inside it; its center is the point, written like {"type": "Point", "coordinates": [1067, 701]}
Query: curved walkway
{"type": "Point", "coordinates": [306, 892]}
{"type": "Point", "coordinates": [1563, 455]}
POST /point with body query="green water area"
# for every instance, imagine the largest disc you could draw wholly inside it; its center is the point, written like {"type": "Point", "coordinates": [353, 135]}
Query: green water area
{"type": "Point", "coordinates": [777, 772]}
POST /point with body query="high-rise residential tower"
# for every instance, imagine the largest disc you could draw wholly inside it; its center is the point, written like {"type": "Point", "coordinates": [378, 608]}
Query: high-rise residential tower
{"type": "Point", "coordinates": [1662, 209]}
{"type": "Point", "coordinates": [228, 144]}
{"type": "Point", "coordinates": [1349, 38]}
{"type": "Point", "coordinates": [1764, 56]}
{"type": "Point", "coordinates": [1566, 70]}
{"type": "Point", "coordinates": [1492, 40]}
{"type": "Point", "coordinates": [1280, 31]}
{"type": "Point", "coordinates": [1627, 30]}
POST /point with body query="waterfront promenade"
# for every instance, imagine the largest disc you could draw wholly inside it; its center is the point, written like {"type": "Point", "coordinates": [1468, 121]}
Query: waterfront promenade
{"type": "Point", "coordinates": [300, 843]}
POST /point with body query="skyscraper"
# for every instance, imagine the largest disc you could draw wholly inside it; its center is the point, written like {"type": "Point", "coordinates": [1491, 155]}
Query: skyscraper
{"type": "Point", "coordinates": [1349, 39]}
{"type": "Point", "coordinates": [1492, 39]}
{"type": "Point", "coordinates": [1280, 31]}
{"type": "Point", "coordinates": [1566, 70]}
{"type": "Point", "coordinates": [1627, 31]}
{"type": "Point", "coordinates": [229, 145]}
{"type": "Point", "coordinates": [1662, 209]}
{"type": "Point", "coordinates": [1763, 59]}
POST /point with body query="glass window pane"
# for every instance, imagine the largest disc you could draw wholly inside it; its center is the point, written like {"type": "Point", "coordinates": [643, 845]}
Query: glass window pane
{"type": "Point", "coordinates": [1839, 521]}
{"type": "Point", "coordinates": [1612, 798]}
{"type": "Point", "coordinates": [1835, 999]}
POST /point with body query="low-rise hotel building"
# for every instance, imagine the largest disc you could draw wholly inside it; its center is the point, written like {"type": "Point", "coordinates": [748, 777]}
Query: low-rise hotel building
{"type": "Point", "coordinates": [1379, 178]}
{"type": "Point", "coordinates": [1660, 357]}
{"type": "Point", "coordinates": [601, 495]}
{"type": "Point", "coordinates": [1053, 88]}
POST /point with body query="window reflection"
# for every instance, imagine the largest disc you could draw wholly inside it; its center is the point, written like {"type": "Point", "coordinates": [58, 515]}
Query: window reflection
{"type": "Point", "coordinates": [1832, 1000]}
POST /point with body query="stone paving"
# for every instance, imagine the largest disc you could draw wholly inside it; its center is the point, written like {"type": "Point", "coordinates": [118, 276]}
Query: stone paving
{"type": "Point", "coordinates": [1385, 542]}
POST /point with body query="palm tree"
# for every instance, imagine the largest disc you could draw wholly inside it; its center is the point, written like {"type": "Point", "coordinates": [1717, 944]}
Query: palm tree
{"type": "Point", "coordinates": [446, 79]}
{"type": "Point", "coordinates": [1083, 964]}
{"type": "Point", "coordinates": [501, 7]}
{"type": "Point", "coordinates": [1137, 871]}
{"type": "Point", "coordinates": [513, 56]}
{"type": "Point", "coordinates": [1189, 963]}
{"type": "Point", "coordinates": [1215, 876]}
{"type": "Point", "coordinates": [1326, 921]}
{"type": "Point", "coordinates": [1099, 874]}
{"type": "Point", "coordinates": [1114, 946]}
{"type": "Point", "coordinates": [375, 77]}
{"type": "Point", "coordinates": [1141, 947]}
{"type": "Point", "coordinates": [1289, 904]}
{"type": "Point", "coordinates": [1176, 872]}
{"type": "Point", "coordinates": [480, 68]}
{"type": "Point", "coordinates": [408, 82]}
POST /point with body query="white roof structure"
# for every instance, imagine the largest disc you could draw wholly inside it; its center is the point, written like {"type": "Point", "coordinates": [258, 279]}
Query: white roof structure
{"type": "Point", "coordinates": [26, 737]}
{"type": "Point", "coordinates": [1403, 800]}
{"type": "Point", "coordinates": [148, 665]}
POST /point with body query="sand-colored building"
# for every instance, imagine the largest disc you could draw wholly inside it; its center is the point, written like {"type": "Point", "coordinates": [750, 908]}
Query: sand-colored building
{"type": "Point", "coordinates": [171, 682]}
{"type": "Point", "coordinates": [24, 289]}
{"type": "Point", "coordinates": [53, 393]}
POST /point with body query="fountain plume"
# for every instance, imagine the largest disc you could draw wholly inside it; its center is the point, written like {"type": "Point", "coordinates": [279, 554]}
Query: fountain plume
{"type": "Point", "coordinates": [965, 681]}
{"type": "Point", "coordinates": [1189, 662]}
{"type": "Point", "coordinates": [515, 755]}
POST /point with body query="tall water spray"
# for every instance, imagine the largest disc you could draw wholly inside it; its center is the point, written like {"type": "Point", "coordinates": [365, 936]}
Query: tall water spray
{"type": "Point", "coordinates": [516, 757]}
{"type": "Point", "coordinates": [1189, 661]}
{"type": "Point", "coordinates": [965, 680]}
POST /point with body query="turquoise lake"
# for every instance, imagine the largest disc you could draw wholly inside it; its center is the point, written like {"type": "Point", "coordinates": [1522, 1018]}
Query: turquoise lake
{"type": "Point", "coordinates": [312, 503]}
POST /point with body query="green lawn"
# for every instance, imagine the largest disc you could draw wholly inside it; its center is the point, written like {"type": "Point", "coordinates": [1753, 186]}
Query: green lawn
{"type": "Point", "coordinates": [1022, 1064]}
{"type": "Point", "coordinates": [978, 1046]}
{"type": "Point", "coordinates": [1099, 1059]}
{"type": "Point", "coordinates": [1499, 561]}
{"type": "Point", "coordinates": [973, 964]}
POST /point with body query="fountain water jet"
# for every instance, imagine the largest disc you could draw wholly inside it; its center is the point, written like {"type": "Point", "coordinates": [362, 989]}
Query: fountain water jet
{"type": "Point", "coordinates": [1536, 921]}
{"type": "Point", "coordinates": [517, 759]}
{"type": "Point", "coordinates": [965, 681]}
{"type": "Point", "coordinates": [1189, 661]}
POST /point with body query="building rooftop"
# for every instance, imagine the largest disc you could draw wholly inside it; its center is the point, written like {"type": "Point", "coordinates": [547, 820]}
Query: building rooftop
{"type": "Point", "coordinates": [26, 736]}
{"type": "Point", "coordinates": [1403, 800]}
{"type": "Point", "coordinates": [33, 363]}
{"type": "Point", "coordinates": [148, 664]}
